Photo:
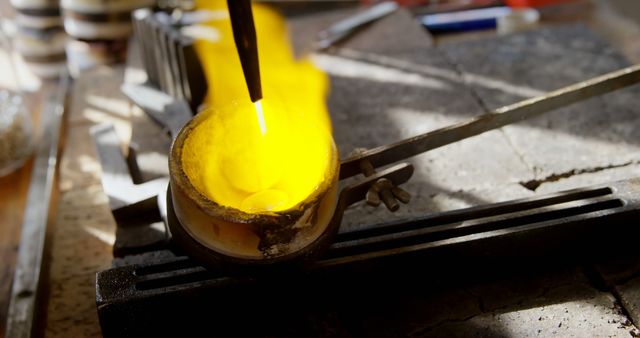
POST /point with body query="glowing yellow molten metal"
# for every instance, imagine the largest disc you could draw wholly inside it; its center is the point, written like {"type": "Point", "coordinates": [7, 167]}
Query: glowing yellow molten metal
{"type": "Point", "coordinates": [264, 157]}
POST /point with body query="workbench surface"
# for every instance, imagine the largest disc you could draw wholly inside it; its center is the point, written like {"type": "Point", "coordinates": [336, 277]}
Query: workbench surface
{"type": "Point", "coordinates": [400, 84]}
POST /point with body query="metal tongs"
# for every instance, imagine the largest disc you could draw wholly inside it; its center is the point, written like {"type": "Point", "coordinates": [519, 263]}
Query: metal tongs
{"type": "Point", "coordinates": [383, 185]}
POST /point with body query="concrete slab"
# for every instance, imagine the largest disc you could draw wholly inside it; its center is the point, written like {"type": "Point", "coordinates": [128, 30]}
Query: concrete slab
{"type": "Point", "coordinates": [552, 305]}
{"type": "Point", "coordinates": [374, 102]}
{"type": "Point", "coordinates": [519, 303]}
{"type": "Point", "coordinates": [596, 133]}
{"type": "Point", "coordinates": [629, 294]}
{"type": "Point", "coordinates": [392, 111]}
{"type": "Point", "coordinates": [618, 273]}
{"type": "Point", "coordinates": [622, 275]}
{"type": "Point", "coordinates": [590, 143]}
{"type": "Point", "coordinates": [593, 317]}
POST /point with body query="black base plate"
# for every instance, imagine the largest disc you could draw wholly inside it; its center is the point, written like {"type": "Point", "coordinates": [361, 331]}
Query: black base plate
{"type": "Point", "coordinates": [173, 294]}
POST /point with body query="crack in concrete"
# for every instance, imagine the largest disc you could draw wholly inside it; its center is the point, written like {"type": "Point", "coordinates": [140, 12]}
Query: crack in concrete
{"type": "Point", "coordinates": [534, 184]}
{"type": "Point", "coordinates": [457, 68]}
{"type": "Point", "coordinates": [424, 330]}
{"type": "Point", "coordinates": [519, 153]}
{"type": "Point", "coordinates": [478, 99]}
{"type": "Point", "coordinates": [483, 310]}
{"type": "Point", "coordinates": [601, 284]}
{"type": "Point", "coordinates": [455, 75]}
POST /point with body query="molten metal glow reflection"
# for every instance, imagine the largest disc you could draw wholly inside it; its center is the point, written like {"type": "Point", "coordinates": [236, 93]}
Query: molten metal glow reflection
{"type": "Point", "coordinates": [260, 115]}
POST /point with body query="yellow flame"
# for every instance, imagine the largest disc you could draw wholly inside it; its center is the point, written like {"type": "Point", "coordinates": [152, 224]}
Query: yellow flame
{"type": "Point", "coordinates": [260, 115]}
{"type": "Point", "coordinates": [230, 157]}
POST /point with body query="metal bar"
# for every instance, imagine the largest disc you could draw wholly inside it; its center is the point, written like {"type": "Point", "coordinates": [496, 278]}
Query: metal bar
{"type": "Point", "coordinates": [474, 225]}
{"type": "Point", "coordinates": [152, 32]}
{"type": "Point", "coordinates": [500, 117]}
{"type": "Point", "coordinates": [163, 108]}
{"type": "Point", "coordinates": [244, 35]}
{"type": "Point", "coordinates": [173, 46]}
{"type": "Point", "coordinates": [161, 41]}
{"type": "Point", "coordinates": [194, 73]}
{"type": "Point", "coordinates": [116, 177]}
{"type": "Point", "coordinates": [344, 28]}
{"type": "Point", "coordinates": [180, 44]}
{"type": "Point", "coordinates": [141, 32]}
{"type": "Point", "coordinates": [24, 294]}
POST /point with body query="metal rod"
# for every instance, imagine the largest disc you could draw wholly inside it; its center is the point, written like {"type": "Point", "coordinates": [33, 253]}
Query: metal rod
{"type": "Point", "coordinates": [500, 117]}
{"type": "Point", "coordinates": [244, 34]}
{"type": "Point", "coordinates": [24, 294]}
{"type": "Point", "coordinates": [344, 28]}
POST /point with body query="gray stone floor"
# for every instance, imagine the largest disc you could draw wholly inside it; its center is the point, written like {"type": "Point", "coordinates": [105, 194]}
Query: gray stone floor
{"type": "Point", "coordinates": [381, 95]}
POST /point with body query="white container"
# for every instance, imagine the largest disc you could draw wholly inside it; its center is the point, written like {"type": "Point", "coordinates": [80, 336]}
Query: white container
{"type": "Point", "coordinates": [16, 133]}
{"type": "Point", "coordinates": [518, 20]}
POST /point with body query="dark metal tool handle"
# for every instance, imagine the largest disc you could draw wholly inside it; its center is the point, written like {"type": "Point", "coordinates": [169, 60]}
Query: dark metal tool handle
{"type": "Point", "coordinates": [22, 311]}
{"type": "Point", "coordinates": [244, 34]}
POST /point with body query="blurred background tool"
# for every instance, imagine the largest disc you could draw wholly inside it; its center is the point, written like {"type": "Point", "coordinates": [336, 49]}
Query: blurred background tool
{"type": "Point", "coordinates": [244, 33]}
{"type": "Point", "coordinates": [40, 37]}
{"type": "Point", "coordinates": [344, 28]}
{"type": "Point", "coordinates": [467, 20]}
{"type": "Point", "coordinates": [533, 3]}
{"type": "Point", "coordinates": [175, 85]}
{"type": "Point", "coordinates": [99, 31]}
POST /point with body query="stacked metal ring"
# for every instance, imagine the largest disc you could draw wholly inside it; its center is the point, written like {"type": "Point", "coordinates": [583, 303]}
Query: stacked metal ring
{"type": "Point", "coordinates": [40, 37]}
{"type": "Point", "coordinates": [99, 30]}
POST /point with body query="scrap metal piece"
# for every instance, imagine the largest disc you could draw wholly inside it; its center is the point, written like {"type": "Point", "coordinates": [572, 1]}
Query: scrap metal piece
{"type": "Point", "coordinates": [134, 206]}
{"type": "Point", "coordinates": [164, 109]}
{"type": "Point", "coordinates": [169, 58]}
{"type": "Point", "coordinates": [117, 182]}
{"type": "Point", "coordinates": [24, 293]}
